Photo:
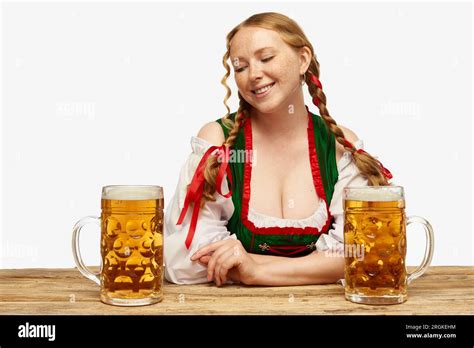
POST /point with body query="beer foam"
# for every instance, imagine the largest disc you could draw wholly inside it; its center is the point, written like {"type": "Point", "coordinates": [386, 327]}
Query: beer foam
{"type": "Point", "coordinates": [374, 194]}
{"type": "Point", "coordinates": [132, 193]}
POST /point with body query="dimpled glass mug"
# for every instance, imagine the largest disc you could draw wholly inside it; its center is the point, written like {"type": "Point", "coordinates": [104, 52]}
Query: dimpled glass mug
{"type": "Point", "coordinates": [375, 245]}
{"type": "Point", "coordinates": [131, 245]}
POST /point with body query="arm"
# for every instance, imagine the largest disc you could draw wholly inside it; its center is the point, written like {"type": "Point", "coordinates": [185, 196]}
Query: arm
{"type": "Point", "coordinates": [211, 226]}
{"type": "Point", "coordinates": [315, 268]}
{"type": "Point", "coordinates": [229, 260]}
{"type": "Point", "coordinates": [263, 259]}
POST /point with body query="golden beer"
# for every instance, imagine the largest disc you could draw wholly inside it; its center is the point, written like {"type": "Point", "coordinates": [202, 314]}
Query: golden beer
{"type": "Point", "coordinates": [132, 248]}
{"type": "Point", "coordinates": [131, 245]}
{"type": "Point", "coordinates": [375, 223]}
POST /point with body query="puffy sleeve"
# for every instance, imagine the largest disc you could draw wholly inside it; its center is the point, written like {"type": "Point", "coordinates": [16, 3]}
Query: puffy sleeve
{"type": "Point", "coordinates": [211, 226]}
{"type": "Point", "coordinates": [349, 175]}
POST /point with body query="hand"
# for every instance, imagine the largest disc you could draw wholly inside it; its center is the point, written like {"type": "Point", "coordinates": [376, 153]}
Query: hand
{"type": "Point", "coordinates": [227, 259]}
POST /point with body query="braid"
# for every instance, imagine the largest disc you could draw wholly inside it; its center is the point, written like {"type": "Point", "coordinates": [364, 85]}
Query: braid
{"type": "Point", "coordinates": [241, 115]}
{"type": "Point", "coordinates": [369, 167]}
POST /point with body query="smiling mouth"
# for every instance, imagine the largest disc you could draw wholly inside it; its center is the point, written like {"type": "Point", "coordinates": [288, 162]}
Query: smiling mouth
{"type": "Point", "coordinates": [263, 89]}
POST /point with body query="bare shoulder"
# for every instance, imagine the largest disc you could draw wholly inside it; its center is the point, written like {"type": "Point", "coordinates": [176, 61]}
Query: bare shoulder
{"type": "Point", "coordinates": [212, 132]}
{"type": "Point", "coordinates": [350, 136]}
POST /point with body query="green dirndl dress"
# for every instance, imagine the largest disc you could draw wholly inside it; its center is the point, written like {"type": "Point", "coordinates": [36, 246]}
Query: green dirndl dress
{"type": "Point", "coordinates": [283, 241]}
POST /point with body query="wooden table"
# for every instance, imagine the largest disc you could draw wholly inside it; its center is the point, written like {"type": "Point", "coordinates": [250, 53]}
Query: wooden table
{"type": "Point", "coordinates": [442, 290]}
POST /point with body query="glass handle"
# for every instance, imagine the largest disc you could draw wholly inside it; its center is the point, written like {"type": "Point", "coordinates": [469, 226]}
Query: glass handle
{"type": "Point", "coordinates": [77, 253]}
{"type": "Point", "coordinates": [428, 249]}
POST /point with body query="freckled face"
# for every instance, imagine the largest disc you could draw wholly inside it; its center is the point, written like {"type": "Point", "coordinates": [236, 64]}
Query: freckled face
{"type": "Point", "coordinates": [260, 58]}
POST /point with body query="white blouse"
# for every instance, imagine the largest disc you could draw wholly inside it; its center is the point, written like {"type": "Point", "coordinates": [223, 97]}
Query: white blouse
{"type": "Point", "coordinates": [213, 218]}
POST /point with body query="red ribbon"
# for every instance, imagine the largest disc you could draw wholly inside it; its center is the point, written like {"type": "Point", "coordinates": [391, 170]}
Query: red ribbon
{"type": "Point", "coordinates": [384, 170]}
{"type": "Point", "coordinates": [316, 81]}
{"type": "Point", "coordinates": [196, 187]}
{"type": "Point", "coordinates": [348, 144]}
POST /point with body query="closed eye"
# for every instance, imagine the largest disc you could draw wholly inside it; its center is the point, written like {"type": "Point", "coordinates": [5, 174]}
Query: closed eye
{"type": "Point", "coordinates": [263, 60]}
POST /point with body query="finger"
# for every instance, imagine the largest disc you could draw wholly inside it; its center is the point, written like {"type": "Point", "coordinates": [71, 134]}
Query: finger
{"type": "Point", "coordinates": [208, 248]}
{"type": "Point", "coordinates": [212, 261]}
{"type": "Point", "coordinates": [202, 261]}
{"type": "Point", "coordinates": [229, 265]}
{"type": "Point", "coordinates": [233, 274]}
{"type": "Point", "coordinates": [205, 259]}
{"type": "Point", "coordinates": [227, 261]}
{"type": "Point", "coordinates": [214, 257]}
{"type": "Point", "coordinates": [198, 258]}
{"type": "Point", "coordinates": [218, 266]}
{"type": "Point", "coordinates": [224, 262]}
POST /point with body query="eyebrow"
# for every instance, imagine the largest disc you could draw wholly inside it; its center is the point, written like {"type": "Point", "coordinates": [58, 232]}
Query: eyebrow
{"type": "Point", "coordinates": [257, 51]}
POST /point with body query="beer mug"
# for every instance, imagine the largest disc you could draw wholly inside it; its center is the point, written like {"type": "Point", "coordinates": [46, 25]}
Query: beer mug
{"type": "Point", "coordinates": [131, 245]}
{"type": "Point", "coordinates": [375, 245]}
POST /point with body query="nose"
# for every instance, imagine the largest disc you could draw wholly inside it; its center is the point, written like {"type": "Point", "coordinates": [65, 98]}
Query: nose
{"type": "Point", "coordinates": [255, 72]}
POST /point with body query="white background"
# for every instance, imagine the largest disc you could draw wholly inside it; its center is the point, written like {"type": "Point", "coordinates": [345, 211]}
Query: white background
{"type": "Point", "coordinates": [110, 93]}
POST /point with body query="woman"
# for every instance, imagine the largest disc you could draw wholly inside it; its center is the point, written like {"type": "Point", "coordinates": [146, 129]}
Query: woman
{"type": "Point", "coordinates": [286, 208]}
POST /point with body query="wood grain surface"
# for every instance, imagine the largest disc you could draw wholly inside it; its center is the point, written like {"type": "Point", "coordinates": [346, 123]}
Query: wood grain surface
{"type": "Point", "coordinates": [442, 290]}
